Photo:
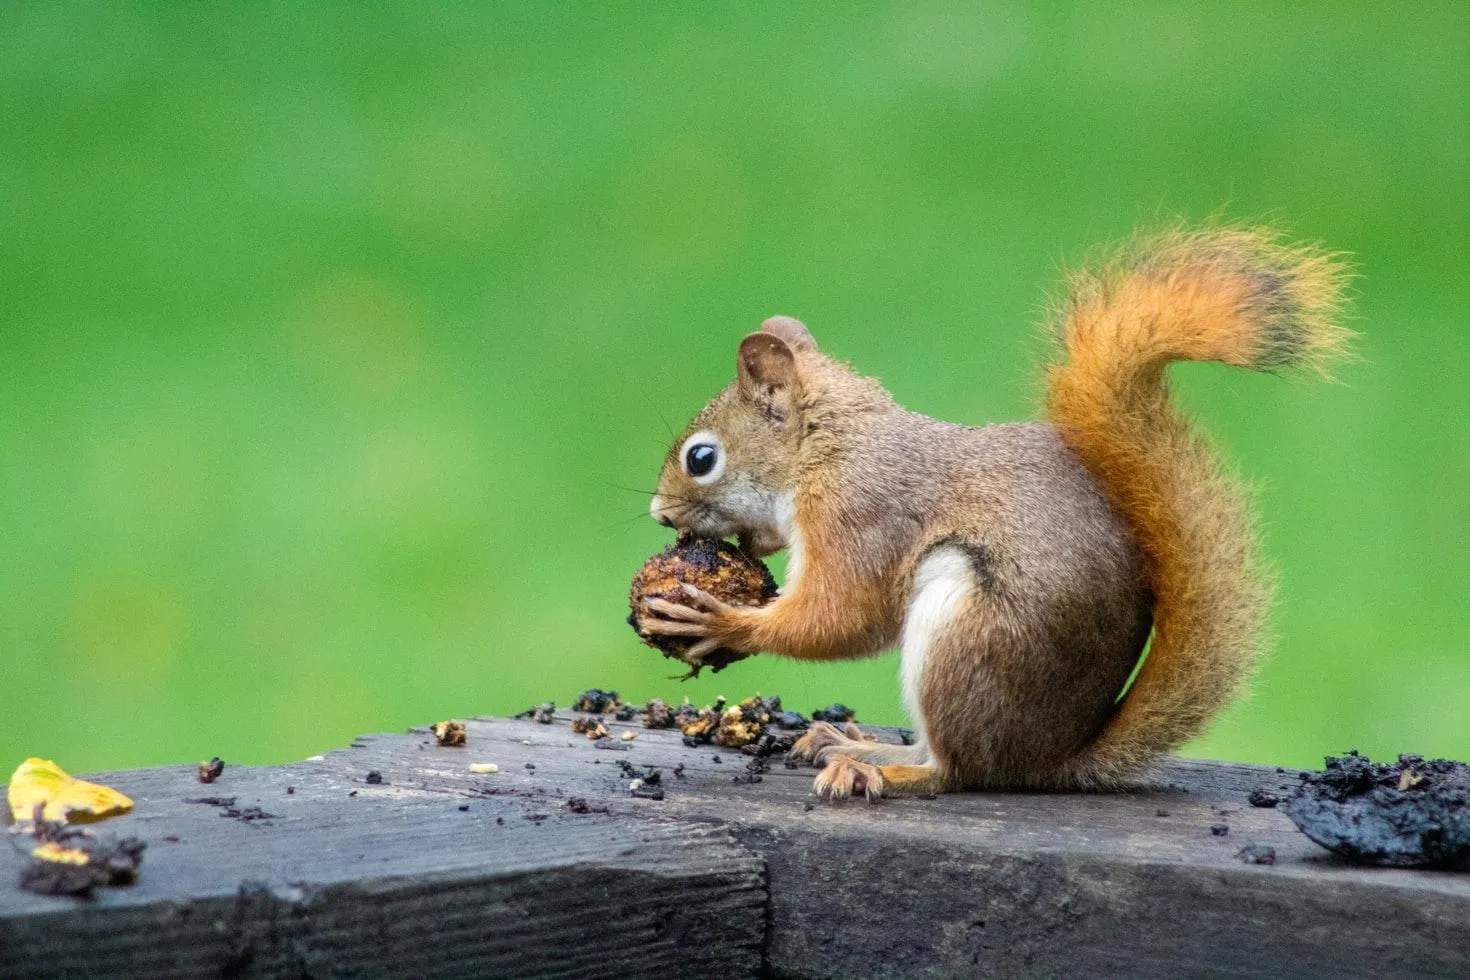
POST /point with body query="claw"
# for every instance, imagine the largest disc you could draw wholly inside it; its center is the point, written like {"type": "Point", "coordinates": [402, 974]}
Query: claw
{"type": "Point", "coordinates": [701, 599]}
{"type": "Point", "coordinates": [844, 777]}
{"type": "Point", "coordinates": [674, 610]}
{"type": "Point", "coordinates": [821, 735]}
{"type": "Point", "coordinates": [651, 626]}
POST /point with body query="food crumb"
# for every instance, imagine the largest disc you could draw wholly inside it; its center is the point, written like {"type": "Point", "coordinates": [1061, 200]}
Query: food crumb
{"type": "Point", "coordinates": [657, 714]}
{"type": "Point", "coordinates": [210, 771]}
{"type": "Point", "coordinates": [596, 701]}
{"type": "Point", "coordinates": [589, 725]}
{"type": "Point", "coordinates": [450, 733]}
{"type": "Point", "coordinates": [480, 768]}
{"type": "Point", "coordinates": [374, 778]}
{"type": "Point", "coordinates": [836, 714]}
{"type": "Point", "coordinates": [1220, 830]}
{"type": "Point", "coordinates": [1263, 798]}
{"type": "Point", "coordinates": [1257, 854]}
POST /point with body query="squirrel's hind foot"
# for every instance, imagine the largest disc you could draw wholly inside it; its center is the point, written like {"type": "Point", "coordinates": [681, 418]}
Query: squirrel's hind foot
{"type": "Point", "coordinates": [824, 740]}
{"type": "Point", "coordinates": [844, 776]}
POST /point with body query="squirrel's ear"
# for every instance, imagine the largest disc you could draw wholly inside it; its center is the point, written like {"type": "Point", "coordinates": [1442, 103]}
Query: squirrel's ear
{"type": "Point", "coordinates": [791, 330]}
{"type": "Point", "coordinates": [766, 374]}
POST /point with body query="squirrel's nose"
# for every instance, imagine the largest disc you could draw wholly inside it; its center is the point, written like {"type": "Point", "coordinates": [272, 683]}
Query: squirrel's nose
{"type": "Point", "coordinates": [663, 519]}
{"type": "Point", "coordinates": [659, 512]}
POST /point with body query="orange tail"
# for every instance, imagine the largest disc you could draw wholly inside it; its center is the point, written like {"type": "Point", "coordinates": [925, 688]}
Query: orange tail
{"type": "Point", "coordinates": [1230, 295]}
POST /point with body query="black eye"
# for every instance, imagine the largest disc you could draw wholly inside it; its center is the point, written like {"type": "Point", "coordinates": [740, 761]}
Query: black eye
{"type": "Point", "coordinates": [700, 458]}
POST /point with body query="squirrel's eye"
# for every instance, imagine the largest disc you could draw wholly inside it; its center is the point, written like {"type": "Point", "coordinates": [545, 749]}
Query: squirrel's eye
{"type": "Point", "coordinates": [700, 459]}
{"type": "Point", "coordinates": [703, 457]}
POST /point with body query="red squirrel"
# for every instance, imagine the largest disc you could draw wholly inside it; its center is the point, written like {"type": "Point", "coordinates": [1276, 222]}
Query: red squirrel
{"type": "Point", "coordinates": [1021, 568]}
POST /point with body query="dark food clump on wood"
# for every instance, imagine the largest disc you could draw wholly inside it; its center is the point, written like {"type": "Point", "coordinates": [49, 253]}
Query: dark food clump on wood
{"type": "Point", "coordinates": [72, 861]}
{"type": "Point", "coordinates": [589, 725]}
{"type": "Point", "coordinates": [837, 714]}
{"type": "Point", "coordinates": [450, 733]}
{"type": "Point", "coordinates": [1411, 813]}
{"type": "Point", "coordinates": [541, 714]}
{"type": "Point", "coordinates": [719, 568]}
{"type": "Point", "coordinates": [210, 771]}
{"type": "Point", "coordinates": [756, 721]}
{"type": "Point", "coordinates": [657, 714]}
{"type": "Point", "coordinates": [596, 701]}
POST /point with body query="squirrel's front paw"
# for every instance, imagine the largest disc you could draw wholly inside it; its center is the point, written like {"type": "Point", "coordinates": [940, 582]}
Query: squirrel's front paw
{"type": "Point", "coordinates": [715, 624]}
{"type": "Point", "coordinates": [844, 777]}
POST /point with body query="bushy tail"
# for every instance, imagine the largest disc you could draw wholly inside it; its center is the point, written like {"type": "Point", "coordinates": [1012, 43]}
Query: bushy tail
{"type": "Point", "coordinates": [1221, 294]}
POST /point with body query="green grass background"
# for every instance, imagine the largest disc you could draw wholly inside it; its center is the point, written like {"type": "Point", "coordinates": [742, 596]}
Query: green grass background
{"type": "Point", "coordinates": [327, 332]}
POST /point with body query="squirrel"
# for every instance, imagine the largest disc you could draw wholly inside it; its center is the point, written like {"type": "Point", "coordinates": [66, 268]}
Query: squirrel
{"type": "Point", "coordinates": [1021, 567]}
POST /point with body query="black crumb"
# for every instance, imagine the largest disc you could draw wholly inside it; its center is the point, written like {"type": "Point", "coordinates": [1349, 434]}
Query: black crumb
{"type": "Point", "coordinates": [212, 800]}
{"type": "Point", "coordinates": [579, 805]}
{"type": "Point", "coordinates": [290, 790]}
{"type": "Point", "coordinates": [530, 765]}
{"type": "Point", "coordinates": [374, 778]}
{"type": "Point", "coordinates": [1161, 813]}
{"type": "Point", "coordinates": [1219, 830]}
{"type": "Point", "coordinates": [353, 793]}
{"type": "Point", "coordinates": [679, 771]}
{"type": "Point", "coordinates": [647, 785]}
{"type": "Point", "coordinates": [1263, 798]}
{"type": "Point", "coordinates": [836, 714]}
{"type": "Point", "coordinates": [808, 807]}
{"type": "Point", "coordinates": [464, 808]}
{"type": "Point", "coordinates": [596, 701]}
{"type": "Point", "coordinates": [500, 821]}
{"type": "Point", "coordinates": [718, 760]}
{"type": "Point", "coordinates": [754, 771]}
{"type": "Point", "coordinates": [1256, 854]}
{"type": "Point", "coordinates": [542, 714]}
{"type": "Point", "coordinates": [535, 817]}
{"type": "Point", "coordinates": [170, 838]}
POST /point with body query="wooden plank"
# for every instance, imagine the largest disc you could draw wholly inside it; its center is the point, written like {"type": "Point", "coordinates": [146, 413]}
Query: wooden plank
{"type": "Point", "coordinates": [1040, 884]}
{"type": "Point", "coordinates": [390, 883]}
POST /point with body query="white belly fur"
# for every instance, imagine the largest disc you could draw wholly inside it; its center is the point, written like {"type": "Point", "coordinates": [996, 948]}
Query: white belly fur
{"type": "Point", "coordinates": [940, 582]}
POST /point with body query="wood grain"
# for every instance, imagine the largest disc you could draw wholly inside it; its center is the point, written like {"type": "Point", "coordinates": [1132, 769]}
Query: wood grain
{"type": "Point", "coordinates": [720, 878]}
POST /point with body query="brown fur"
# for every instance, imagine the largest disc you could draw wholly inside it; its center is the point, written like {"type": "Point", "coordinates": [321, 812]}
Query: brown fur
{"type": "Point", "coordinates": [1228, 295]}
{"type": "Point", "coordinates": [1066, 540]}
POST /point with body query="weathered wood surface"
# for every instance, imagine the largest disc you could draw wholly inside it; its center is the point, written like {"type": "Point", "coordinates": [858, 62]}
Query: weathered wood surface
{"type": "Point", "coordinates": [438, 871]}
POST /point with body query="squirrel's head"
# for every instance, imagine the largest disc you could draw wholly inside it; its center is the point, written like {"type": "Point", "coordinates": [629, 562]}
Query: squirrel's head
{"type": "Point", "coordinates": [733, 471]}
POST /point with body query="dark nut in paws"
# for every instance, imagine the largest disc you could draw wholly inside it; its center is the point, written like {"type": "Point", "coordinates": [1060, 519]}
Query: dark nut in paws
{"type": "Point", "coordinates": [717, 567]}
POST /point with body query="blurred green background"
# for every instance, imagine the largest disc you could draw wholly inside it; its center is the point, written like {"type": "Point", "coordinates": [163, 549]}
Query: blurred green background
{"type": "Point", "coordinates": [330, 332]}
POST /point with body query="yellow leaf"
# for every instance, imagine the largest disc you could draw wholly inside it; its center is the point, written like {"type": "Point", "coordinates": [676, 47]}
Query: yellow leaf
{"type": "Point", "coordinates": [41, 781]}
